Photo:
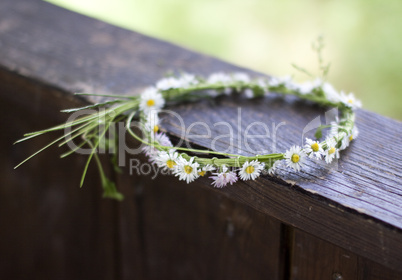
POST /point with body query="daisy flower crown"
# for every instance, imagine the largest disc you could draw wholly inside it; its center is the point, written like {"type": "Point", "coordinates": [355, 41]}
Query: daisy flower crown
{"type": "Point", "coordinates": [229, 170]}
{"type": "Point", "coordinates": [178, 161]}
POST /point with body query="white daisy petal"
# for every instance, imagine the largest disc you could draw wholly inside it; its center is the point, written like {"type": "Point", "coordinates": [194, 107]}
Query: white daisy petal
{"type": "Point", "coordinates": [331, 151]}
{"type": "Point", "coordinates": [186, 170]}
{"type": "Point", "coordinates": [241, 77]}
{"type": "Point", "coordinates": [251, 170]}
{"type": "Point", "coordinates": [272, 170]}
{"type": "Point", "coordinates": [167, 160]}
{"type": "Point", "coordinates": [330, 93]}
{"type": "Point", "coordinates": [313, 148]}
{"type": "Point", "coordinates": [152, 121]}
{"type": "Point", "coordinates": [151, 99]}
{"type": "Point", "coordinates": [219, 78]}
{"type": "Point", "coordinates": [205, 169]}
{"type": "Point", "coordinates": [350, 100]}
{"type": "Point", "coordinates": [168, 83]}
{"type": "Point", "coordinates": [187, 80]}
{"type": "Point", "coordinates": [295, 157]}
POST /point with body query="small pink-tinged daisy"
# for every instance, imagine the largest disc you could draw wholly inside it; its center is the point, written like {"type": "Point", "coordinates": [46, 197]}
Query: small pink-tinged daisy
{"type": "Point", "coordinates": [221, 179]}
{"type": "Point", "coordinates": [151, 151]}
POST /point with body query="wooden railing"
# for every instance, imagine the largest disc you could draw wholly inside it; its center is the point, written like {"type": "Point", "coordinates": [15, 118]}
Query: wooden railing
{"type": "Point", "coordinates": [341, 223]}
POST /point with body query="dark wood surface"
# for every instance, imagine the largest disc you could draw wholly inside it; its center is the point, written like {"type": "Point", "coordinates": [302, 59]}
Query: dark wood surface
{"type": "Point", "coordinates": [50, 229]}
{"type": "Point", "coordinates": [208, 235]}
{"type": "Point", "coordinates": [355, 206]}
{"type": "Point", "coordinates": [316, 259]}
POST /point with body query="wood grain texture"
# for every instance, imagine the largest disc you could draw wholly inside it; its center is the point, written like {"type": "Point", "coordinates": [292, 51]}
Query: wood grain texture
{"type": "Point", "coordinates": [192, 233]}
{"type": "Point", "coordinates": [50, 228]}
{"type": "Point", "coordinates": [355, 205]}
{"type": "Point", "coordinates": [314, 258]}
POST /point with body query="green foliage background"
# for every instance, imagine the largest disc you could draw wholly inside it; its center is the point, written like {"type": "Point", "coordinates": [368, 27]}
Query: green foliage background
{"type": "Point", "coordinates": [363, 37]}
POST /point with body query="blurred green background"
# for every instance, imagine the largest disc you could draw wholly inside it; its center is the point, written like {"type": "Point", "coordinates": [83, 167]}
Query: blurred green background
{"type": "Point", "coordinates": [363, 37]}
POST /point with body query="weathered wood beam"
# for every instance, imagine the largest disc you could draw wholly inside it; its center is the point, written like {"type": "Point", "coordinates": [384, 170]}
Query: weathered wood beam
{"type": "Point", "coordinates": [357, 205]}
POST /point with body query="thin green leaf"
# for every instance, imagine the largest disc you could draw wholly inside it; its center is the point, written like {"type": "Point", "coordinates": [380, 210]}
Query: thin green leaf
{"type": "Point", "coordinates": [107, 95]}
{"type": "Point", "coordinates": [303, 70]}
{"type": "Point", "coordinates": [73, 150]}
{"type": "Point", "coordinates": [90, 106]}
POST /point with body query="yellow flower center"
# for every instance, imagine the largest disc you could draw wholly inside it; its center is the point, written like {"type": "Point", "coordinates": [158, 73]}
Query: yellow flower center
{"type": "Point", "coordinates": [315, 147]}
{"type": "Point", "coordinates": [170, 163]}
{"type": "Point", "coordinates": [295, 158]}
{"type": "Point", "coordinates": [250, 169]}
{"type": "Point", "coordinates": [350, 101]}
{"type": "Point", "coordinates": [201, 173]}
{"type": "Point", "coordinates": [188, 169]}
{"type": "Point", "coordinates": [156, 128]}
{"type": "Point", "coordinates": [331, 151]}
{"type": "Point", "coordinates": [350, 137]}
{"type": "Point", "coordinates": [150, 102]}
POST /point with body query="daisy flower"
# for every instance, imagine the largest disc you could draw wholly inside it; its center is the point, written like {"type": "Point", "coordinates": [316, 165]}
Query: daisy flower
{"type": "Point", "coordinates": [219, 77]}
{"type": "Point", "coordinates": [331, 152]}
{"type": "Point", "coordinates": [330, 93]}
{"type": "Point", "coordinates": [167, 160]}
{"type": "Point", "coordinates": [354, 134]}
{"type": "Point", "coordinates": [152, 121]}
{"type": "Point", "coordinates": [347, 138]}
{"type": "Point", "coordinates": [262, 83]}
{"type": "Point", "coordinates": [205, 169]}
{"type": "Point", "coordinates": [272, 170]}
{"type": "Point", "coordinates": [151, 99]}
{"type": "Point", "coordinates": [168, 83]}
{"type": "Point", "coordinates": [187, 80]}
{"type": "Point", "coordinates": [295, 157]}
{"type": "Point", "coordinates": [186, 170]}
{"type": "Point", "coordinates": [313, 149]}
{"type": "Point", "coordinates": [224, 177]}
{"type": "Point", "coordinates": [249, 93]}
{"type": "Point", "coordinates": [151, 151]}
{"type": "Point", "coordinates": [241, 77]}
{"type": "Point", "coordinates": [275, 81]}
{"type": "Point", "coordinates": [251, 170]}
{"type": "Point", "coordinates": [162, 139]}
{"type": "Point", "coordinates": [350, 100]}
{"type": "Point", "coordinates": [308, 87]}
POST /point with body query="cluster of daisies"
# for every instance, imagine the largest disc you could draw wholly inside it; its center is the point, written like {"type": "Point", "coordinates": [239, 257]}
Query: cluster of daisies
{"type": "Point", "coordinates": [161, 151]}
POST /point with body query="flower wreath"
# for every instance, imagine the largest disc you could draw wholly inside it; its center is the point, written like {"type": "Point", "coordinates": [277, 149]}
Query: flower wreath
{"type": "Point", "coordinates": [188, 87]}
